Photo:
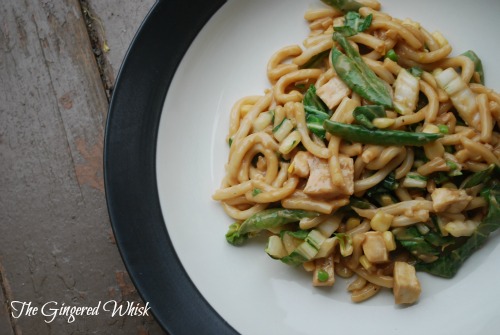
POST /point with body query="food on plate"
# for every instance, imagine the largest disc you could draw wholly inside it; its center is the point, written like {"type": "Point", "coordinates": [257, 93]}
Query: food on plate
{"type": "Point", "coordinates": [374, 154]}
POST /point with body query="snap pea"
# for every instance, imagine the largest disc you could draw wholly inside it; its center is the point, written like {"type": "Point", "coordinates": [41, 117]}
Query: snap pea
{"type": "Point", "coordinates": [364, 115]}
{"type": "Point", "coordinates": [361, 134]}
{"type": "Point", "coordinates": [268, 218]}
{"type": "Point", "coordinates": [344, 5]}
{"type": "Point", "coordinates": [478, 65]}
{"type": "Point", "coordinates": [357, 75]}
{"type": "Point", "coordinates": [316, 112]}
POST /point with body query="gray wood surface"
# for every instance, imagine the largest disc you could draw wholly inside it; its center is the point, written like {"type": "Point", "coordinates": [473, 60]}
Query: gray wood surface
{"type": "Point", "coordinates": [56, 242]}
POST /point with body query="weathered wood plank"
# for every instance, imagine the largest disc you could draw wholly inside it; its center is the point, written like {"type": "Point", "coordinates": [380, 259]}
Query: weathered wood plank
{"type": "Point", "coordinates": [114, 24]}
{"type": "Point", "coordinates": [55, 239]}
{"type": "Point", "coordinates": [5, 324]}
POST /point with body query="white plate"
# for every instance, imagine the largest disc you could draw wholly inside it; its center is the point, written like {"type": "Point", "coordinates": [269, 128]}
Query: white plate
{"type": "Point", "coordinates": [252, 292]}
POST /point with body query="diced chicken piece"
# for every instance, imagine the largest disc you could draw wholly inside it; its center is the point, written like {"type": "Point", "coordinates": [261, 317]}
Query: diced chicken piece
{"type": "Point", "coordinates": [406, 285]}
{"type": "Point", "coordinates": [319, 182]}
{"type": "Point", "coordinates": [347, 166]}
{"type": "Point", "coordinates": [333, 92]}
{"type": "Point", "coordinates": [317, 170]}
{"type": "Point", "coordinates": [461, 228]}
{"type": "Point", "coordinates": [450, 200]}
{"type": "Point", "coordinates": [324, 273]}
{"type": "Point", "coordinates": [374, 247]}
{"type": "Point", "coordinates": [301, 164]}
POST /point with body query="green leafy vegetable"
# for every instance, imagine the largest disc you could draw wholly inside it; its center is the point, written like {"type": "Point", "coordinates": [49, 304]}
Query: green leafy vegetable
{"type": "Point", "coordinates": [479, 177]}
{"type": "Point", "coordinates": [448, 265]}
{"type": "Point", "coordinates": [354, 24]}
{"type": "Point", "coordinates": [357, 75]}
{"type": "Point", "coordinates": [300, 234]}
{"type": "Point", "coordinates": [344, 5]}
{"type": "Point", "coordinates": [316, 60]}
{"type": "Point", "coordinates": [268, 218]}
{"type": "Point", "coordinates": [415, 242]}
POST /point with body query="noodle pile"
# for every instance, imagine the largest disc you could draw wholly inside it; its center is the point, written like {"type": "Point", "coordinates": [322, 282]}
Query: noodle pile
{"type": "Point", "coordinates": [371, 203]}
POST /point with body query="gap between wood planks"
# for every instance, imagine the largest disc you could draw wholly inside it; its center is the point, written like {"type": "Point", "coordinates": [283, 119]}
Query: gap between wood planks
{"type": "Point", "coordinates": [99, 45]}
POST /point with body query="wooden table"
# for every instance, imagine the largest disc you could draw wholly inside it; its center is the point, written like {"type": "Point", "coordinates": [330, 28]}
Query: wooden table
{"type": "Point", "coordinates": [58, 64]}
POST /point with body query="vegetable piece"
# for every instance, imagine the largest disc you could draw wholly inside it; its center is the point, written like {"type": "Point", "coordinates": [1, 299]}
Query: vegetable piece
{"type": "Point", "coordinates": [316, 112]}
{"type": "Point", "coordinates": [406, 92]}
{"type": "Point", "coordinates": [307, 250]}
{"type": "Point", "coordinates": [381, 221]}
{"type": "Point", "coordinates": [290, 142]}
{"type": "Point", "coordinates": [364, 115]}
{"type": "Point", "coordinates": [479, 177]}
{"type": "Point", "coordinates": [413, 241]}
{"type": "Point", "coordinates": [275, 247]}
{"type": "Point", "coordinates": [406, 285]}
{"type": "Point", "coordinates": [390, 241]}
{"type": "Point", "coordinates": [392, 55]}
{"type": "Point", "coordinates": [344, 5]}
{"type": "Point", "coordinates": [268, 218]}
{"type": "Point", "coordinates": [354, 24]}
{"type": "Point", "coordinates": [324, 272]}
{"type": "Point", "coordinates": [416, 71]}
{"type": "Point", "coordinates": [357, 75]}
{"type": "Point", "coordinates": [360, 134]}
{"type": "Point", "coordinates": [263, 120]}
{"type": "Point", "coordinates": [345, 241]}
{"type": "Point", "coordinates": [283, 129]}
{"type": "Point", "coordinates": [478, 65]}
{"type": "Point", "coordinates": [448, 265]}
{"type": "Point", "coordinates": [414, 180]}
{"type": "Point", "coordinates": [316, 60]}
{"type": "Point", "coordinates": [460, 95]}
{"type": "Point", "coordinates": [327, 247]}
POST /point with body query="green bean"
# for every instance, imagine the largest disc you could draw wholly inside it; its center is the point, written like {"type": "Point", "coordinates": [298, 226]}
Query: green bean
{"type": "Point", "coordinates": [357, 75]}
{"type": "Point", "coordinates": [361, 134]}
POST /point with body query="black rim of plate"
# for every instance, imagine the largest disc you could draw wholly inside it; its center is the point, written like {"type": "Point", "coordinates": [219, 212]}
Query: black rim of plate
{"type": "Point", "coordinates": [130, 167]}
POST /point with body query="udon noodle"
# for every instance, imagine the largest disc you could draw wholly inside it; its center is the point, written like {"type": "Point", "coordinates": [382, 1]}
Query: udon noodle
{"type": "Point", "coordinates": [348, 204]}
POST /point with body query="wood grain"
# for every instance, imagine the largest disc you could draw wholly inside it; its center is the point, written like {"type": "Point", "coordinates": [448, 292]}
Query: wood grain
{"type": "Point", "coordinates": [56, 242]}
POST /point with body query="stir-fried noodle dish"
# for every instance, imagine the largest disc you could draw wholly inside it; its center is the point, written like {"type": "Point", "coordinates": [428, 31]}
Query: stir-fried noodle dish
{"type": "Point", "coordinates": [373, 154]}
